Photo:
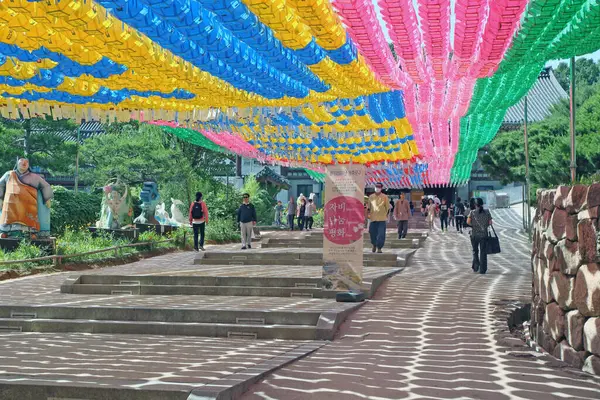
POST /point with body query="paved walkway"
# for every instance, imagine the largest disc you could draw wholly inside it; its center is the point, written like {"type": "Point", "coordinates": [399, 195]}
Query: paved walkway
{"type": "Point", "coordinates": [436, 332]}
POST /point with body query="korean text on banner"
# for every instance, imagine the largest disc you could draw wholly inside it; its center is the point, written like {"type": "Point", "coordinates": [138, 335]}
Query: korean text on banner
{"type": "Point", "coordinates": [344, 226]}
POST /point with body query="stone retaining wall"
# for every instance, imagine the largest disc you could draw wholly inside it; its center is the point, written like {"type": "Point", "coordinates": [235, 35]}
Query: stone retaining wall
{"type": "Point", "coordinates": [565, 261]}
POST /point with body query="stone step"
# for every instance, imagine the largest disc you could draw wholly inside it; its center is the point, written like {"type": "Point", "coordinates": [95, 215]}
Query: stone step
{"type": "Point", "coordinates": [195, 280]}
{"type": "Point", "coordinates": [285, 258]}
{"type": "Point", "coordinates": [178, 315]}
{"type": "Point", "coordinates": [285, 332]}
{"type": "Point", "coordinates": [191, 290]}
{"type": "Point", "coordinates": [390, 234]}
{"type": "Point", "coordinates": [299, 243]}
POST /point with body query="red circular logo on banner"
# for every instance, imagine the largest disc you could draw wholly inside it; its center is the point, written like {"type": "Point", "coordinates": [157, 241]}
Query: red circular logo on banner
{"type": "Point", "coordinates": [344, 220]}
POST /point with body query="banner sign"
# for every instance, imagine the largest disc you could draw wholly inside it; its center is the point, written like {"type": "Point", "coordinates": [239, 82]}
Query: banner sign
{"type": "Point", "coordinates": [344, 226]}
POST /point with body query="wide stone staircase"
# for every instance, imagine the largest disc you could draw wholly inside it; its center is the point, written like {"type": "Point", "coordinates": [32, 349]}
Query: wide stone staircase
{"type": "Point", "coordinates": [271, 292]}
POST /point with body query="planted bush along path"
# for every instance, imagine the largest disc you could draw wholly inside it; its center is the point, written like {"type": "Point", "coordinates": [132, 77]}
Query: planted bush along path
{"type": "Point", "coordinates": [437, 331]}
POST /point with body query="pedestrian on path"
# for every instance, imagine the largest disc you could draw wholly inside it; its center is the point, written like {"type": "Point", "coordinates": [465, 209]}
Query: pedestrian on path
{"type": "Point", "coordinates": [278, 211]}
{"type": "Point", "coordinates": [198, 216]}
{"type": "Point", "coordinates": [423, 205]}
{"type": "Point", "coordinates": [430, 212]}
{"type": "Point", "coordinates": [459, 215]}
{"type": "Point", "coordinates": [301, 213]}
{"type": "Point", "coordinates": [378, 206]}
{"type": "Point", "coordinates": [311, 209]}
{"type": "Point", "coordinates": [402, 214]}
{"type": "Point", "coordinates": [246, 217]}
{"type": "Point", "coordinates": [291, 213]}
{"type": "Point", "coordinates": [444, 215]}
{"type": "Point", "coordinates": [412, 208]}
{"type": "Point", "coordinates": [480, 221]}
{"type": "Point", "coordinates": [451, 214]}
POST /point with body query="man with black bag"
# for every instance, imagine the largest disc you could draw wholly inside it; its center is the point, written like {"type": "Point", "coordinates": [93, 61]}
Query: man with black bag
{"type": "Point", "coordinates": [480, 220]}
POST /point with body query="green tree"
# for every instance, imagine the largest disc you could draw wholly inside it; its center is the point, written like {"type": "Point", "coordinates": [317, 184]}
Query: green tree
{"type": "Point", "coordinates": [549, 147]}
{"type": "Point", "coordinates": [587, 73]}
{"type": "Point", "coordinates": [132, 155]}
{"type": "Point", "coordinates": [42, 141]}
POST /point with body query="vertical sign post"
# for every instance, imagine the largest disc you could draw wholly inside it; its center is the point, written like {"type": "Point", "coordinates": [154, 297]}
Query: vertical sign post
{"type": "Point", "coordinates": [344, 227]}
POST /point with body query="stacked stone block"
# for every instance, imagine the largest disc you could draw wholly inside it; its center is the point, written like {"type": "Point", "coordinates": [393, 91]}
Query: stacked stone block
{"type": "Point", "coordinates": [565, 262]}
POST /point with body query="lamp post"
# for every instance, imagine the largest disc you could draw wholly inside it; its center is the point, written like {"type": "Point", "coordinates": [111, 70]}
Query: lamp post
{"type": "Point", "coordinates": [227, 164]}
{"type": "Point", "coordinates": [527, 187]}
{"type": "Point", "coordinates": [77, 160]}
{"type": "Point", "coordinates": [573, 165]}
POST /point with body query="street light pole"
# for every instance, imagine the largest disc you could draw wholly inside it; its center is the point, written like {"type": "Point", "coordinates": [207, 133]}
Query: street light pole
{"type": "Point", "coordinates": [527, 183]}
{"type": "Point", "coordinates": [77, 160]}
{"type": "Point", "coordinates": [573, 166]}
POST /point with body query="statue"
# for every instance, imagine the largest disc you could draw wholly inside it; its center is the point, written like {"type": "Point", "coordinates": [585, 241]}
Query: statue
{"type": "Point", "coordinates": [161, 215]}
{"type": "Point", "coordinates": [177, 217]}
{"type": "Point", "coordinates": [117, 207]}
{"type": "Point", "coordinates": [25, 200]}
{"type": "Point", "coordinates": [150, 199]}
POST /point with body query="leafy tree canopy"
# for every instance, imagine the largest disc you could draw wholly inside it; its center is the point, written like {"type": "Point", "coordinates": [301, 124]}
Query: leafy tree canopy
{"type": "Point", "coordinates": [39, 140]}
{"type": "Point", "coordinates": [549, 141]}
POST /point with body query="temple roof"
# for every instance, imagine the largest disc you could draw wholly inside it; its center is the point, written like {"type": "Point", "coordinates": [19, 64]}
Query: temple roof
{"type": "Point", "coordinates": [545, 93]}
{"type": "Point", "coordinates": [269, 176]}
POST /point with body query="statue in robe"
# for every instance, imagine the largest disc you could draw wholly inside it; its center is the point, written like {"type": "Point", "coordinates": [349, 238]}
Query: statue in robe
{"type": "Point", "coordinates": [25, 200]}
{"type": "Point", "coordinates": [117, 207]}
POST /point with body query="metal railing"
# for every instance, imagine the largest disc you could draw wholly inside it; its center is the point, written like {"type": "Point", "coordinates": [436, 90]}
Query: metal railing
{"type": "Point", "coordinates": [57, 259]}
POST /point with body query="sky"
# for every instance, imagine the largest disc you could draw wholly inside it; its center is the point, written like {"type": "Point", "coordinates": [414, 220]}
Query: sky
{"type": "Point", "coordinates": [594, 56]}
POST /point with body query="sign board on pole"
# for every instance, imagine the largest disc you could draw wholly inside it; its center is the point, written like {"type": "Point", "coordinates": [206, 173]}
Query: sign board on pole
{"type": "Point", "coordinates": [344, 226]}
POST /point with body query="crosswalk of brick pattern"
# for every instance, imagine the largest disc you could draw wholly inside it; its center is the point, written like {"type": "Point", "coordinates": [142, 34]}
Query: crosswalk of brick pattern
{"type": "Point", "coordinates": [437, 331]}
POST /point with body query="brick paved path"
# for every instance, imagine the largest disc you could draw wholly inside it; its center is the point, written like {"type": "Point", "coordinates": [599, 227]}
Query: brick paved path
{"type": "Point", "coordinates": [436, 333]}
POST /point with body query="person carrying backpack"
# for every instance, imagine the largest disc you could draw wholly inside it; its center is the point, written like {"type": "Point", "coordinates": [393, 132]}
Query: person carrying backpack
{"type": "Point", "coordinates": [198, 219]}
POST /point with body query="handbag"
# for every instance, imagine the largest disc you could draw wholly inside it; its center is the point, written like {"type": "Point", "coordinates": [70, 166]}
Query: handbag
{"type": "Point", "coordinates": [492, 242]}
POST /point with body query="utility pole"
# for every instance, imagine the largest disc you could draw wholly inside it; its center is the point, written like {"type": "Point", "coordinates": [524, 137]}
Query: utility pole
{"type": "Point", "coordinates": [77, 160]}
{"type": "Point", "coordinates": [573, 166]}
{"type": "Point", "coordinates": [527, 182]}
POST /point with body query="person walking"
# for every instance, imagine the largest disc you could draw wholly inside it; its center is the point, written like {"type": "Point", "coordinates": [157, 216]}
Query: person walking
{"type": "Point", "coordinates": [480, 221]}
{"type": "Point", "coordinates": [291, 213]}
{"type": "Point", "coordinates": [444, 215]}
{"type": "Point", "coordinates": [431, 211]}
{"type": "Point", "coordinates": [424, 203]}
{"type": "Point", "coordinates": [378, 206]}
{"type": "Point", "coordinates": [198, 216]}
{"type": "Point", "coordinates": [278, 211]}
{"type": "Point", "coordinates": [459, 215]}
{"type": "Point", "coordinates": [451, 214]}
{"type": "Point", "coordinates": [412, 208]}
{"type": "Point", "coordinates": [301, 213]}
{"type": "Point", "coordinates": [311, 209]}
{"type": "Point", "coordinates": [402, 214]}
{"type": "Point", "coordinates": [246, 217]}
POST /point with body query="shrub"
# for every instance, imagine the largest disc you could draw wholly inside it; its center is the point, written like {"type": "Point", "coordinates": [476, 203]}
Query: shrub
{"type": "Point", "coordinates": [319, 219]}
{"type": "Point", "coordinates": [23, 252]}
{"type": "Point", "coordinates": [222, 230]}
{"type": "Point", "coordinates": [75, 210]}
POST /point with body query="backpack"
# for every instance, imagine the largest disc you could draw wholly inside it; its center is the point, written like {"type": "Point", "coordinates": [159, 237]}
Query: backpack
{"type": "Point", "coordinates": [459, 210]}
{"type": "Point", "coordinates": [197, 212]}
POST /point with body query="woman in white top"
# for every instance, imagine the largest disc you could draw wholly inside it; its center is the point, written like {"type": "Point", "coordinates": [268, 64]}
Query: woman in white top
{"type": "Point", "coordinates": [431, 210]}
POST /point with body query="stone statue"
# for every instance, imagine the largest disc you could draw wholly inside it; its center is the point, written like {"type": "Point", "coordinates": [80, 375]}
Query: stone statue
{"type": "Point", "coordinates": [161, 215]}
{"type": "Point", "coordinates": [25, 200]}
{"type": "Point", "coordinates": [117, 208]}
{"type": "Point", "coordinates": [150, 199]}
{"type": "Point", "coordinates": [177, 217]}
